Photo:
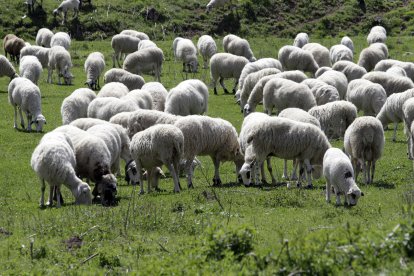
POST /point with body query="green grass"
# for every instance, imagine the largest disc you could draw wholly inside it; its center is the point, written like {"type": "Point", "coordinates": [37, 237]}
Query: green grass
{"type": "Point", "coordinates": [227, 230]}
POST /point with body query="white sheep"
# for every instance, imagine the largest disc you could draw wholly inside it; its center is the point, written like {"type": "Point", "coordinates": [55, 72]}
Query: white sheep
{"type": "Point", "coordinates": [6, 68]}
{"type": "Point", "coordinates": [121, 119]}
{"type": "Point", "coordinates": [123, 44]}
{"type": "Point", "coordinates": [158, 94]}
{"type": "Point", "coordinates": [366, 96]}
{"type": "Point", "coordinates": [156, 146]}
{"type": "Point", "coordinates": [336, 79]}
{"type": "Point", "coordinates": [25, 96]}
{"type": "Point", "coordinates": [258, 65]}
{"type": "Point", "coordinates": [301, 39]}
{"type": "Point", "coordinates": [140, 35]}
{"type": "Point", "coordinates": [320, 53]}
{"type": "Point", "coordinates": [377, 34]}
{"type": "Point", "coordinates": [59, 59]}
{"type": "Point", "coordinates": [238, 46]}
{"type": "Point", "coordinates": [391, 83]}
{"type": "Point", "coordinates": [207, 48]}
{"type": "Point", "coordinates": [105, 107]}
{"type": "Point", "coordinates": [54, 161]}
{"type": "Point", "coordinates": [146, 44]}
{"type": "Point", "coordinates": [334, 117]}
{"type": "Point", "coordinates": [225, 66]}
{"type": "Point", "coordinates": [351, 70]}
{"type": "Point", "coordinates": [215, 3]}
{"type": "Point", "coordinates": [186, 51]}
{"type": "Point", "coordinates": [187, 98]}
{"type": "Point", "coordinates": [347, 41]}
{"type": "Point", "coordinates": [142, 119]}
{"type": "Point", "coordinates": [41, 53]}
{"type": "Point", "coordinates": [141, 98]}
{"type": "Point", "coordinates": [385, 64]}
{"type": "Point", "coordinates": [65, 6]}
{"type": "Point", "coordinates": [323, 93]}
{"type": "Point", "coordinates": [60, 39]}
{"type": "Point", "coordinates": [76, 105]}
{"type": "Point", "coordinates": [408, 116]}
{"type": "Point", "coordinates": [30, 68]}
{"type": "Point", "coordinates": [113, 89]}
{"type": "Point", "coordinates": [145, 61]}
{"type": "Point", "coordinates": [340, 52]}
{"type": "Point", "coordinates": [339, 174]}
{"type": "Point", "coordinates": [294, 58]}
{"type": "Point", "coordinates": [322, 70]}
{"type": "Point", "coordinates": [131, 81]}
{"type": "Point", "coordinates": [397, 71]}
{"type": "Point", "coordinates": [94, 66]}
{"type": "Point", "coordinates": [371, 55]}
{"type": "Point", "coordinates": [43, 37]}
{"type": "Point", "coordinates": [364, 143]}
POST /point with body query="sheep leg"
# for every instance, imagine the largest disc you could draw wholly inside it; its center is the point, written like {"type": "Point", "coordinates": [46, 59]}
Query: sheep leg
{"type": "Point", "coordinates": [235, 85]}
{"type": "Point", "coordinates": [205, 66]}
{"type": "Point", "coordinates": [270, 170]}
{"type": "Point", "coordinates": [308, 173]}
{"type": "Point", "coordinates": [394, 136]}
{"type": "Point", "coordinates": [355, 167]}
{"type": "Point", "coordinates": [29, 122]}
{"type": "Point", "coordinates": [338, 197]}
{"type": "Point", "coordinates": [189, 169]}
{"type": "Point", "coordinates": [175, 177]}
{"type": "Point", "coordinates": [149, 178]}
{"type": "Point", "coordinates": [58, 199]}
{"type": "Point", "coordinates": [364, 171]}
{"type": "Point", "coordinates": [285, 173]}
{"type": "Point", "coordinates": [221, 81]}
{"type": "Point", "coordinates": [256, 166]}
{"type": "Point", "coordinates": [328, 191]}
{"type": "Point", "coordinates": [49, 75]}
{"type": "Point", "coordinates": [295, 167]}
{"type": "Point", "coordinates": [50, 201]}
{"type": "Point", "coordinates": [113, 60]}
{"type": "Point", "coordinates": [372, 171]}
{"type": "Point", "coordinates": [42, 194]}
{"type": "Point", "coordinates": [21, 118]}
{"type": "Point", "coordinates": [15, 116]}
{"type": "Point", "coordinates": [262, 172]}
{"type": "Point", "coordinates": [216, 179]}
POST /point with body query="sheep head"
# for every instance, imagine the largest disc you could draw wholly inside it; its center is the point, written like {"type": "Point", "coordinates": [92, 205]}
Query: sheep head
{"type": "Point", "coordinates": [107, 189]}
{"type": "Point", "coordinates": [39, 121]}
{"type": "Point", "coordinates": [83, 194]}
{"type": "Point", "coordinates": [131, 172]}
{"type": "Point", "coordinates": [353, 195]}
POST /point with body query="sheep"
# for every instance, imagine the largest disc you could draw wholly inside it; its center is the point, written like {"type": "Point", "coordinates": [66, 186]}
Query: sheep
{"type": "Point", "coordinates": [121, 119]}
{"type": "Point", "coordinates": [397, 71]}
{"type": "Point", "coordinates": [59, 59]}
{"type": "Point", "coordinates": [113, 89]}
{"type": "Point", "coordinates": [106, 107]}
{"type": "Point", "coordinates": [207, 48]}
{"type": "Point", "coordinates": [340, 52]}
{"type": "Point", "coordinates": [411, 135]}
{"type": "Point", "coordinates": [175, 42]}
{"type": "Point", "coordinates": [186, 51]}
{"type": "Point", "coordinates": [371, 55]}
{"type": "Point", "coordinates": [258, 65]}
{"type": "Point", "coordinates": [364, 143]}
{"type": "Point", "coordinates": [224, 66]}
{"type": "Point", "coordinates": [25, 96]}
{"type": "Point", "coordinates": [294, 58]}
{"type": "Point", "coordinates": [140, 35]}
{"type": "Point", "coordinates": [301, 40]}
{"type": "Point", "coordinates": [54, 161]}
{"type": "Point", "coordinates": [76, 105]}
{"type": "Point", "coordinates": [130, 80]}
{"type": "Point", "coordinates": [339, 174]}
{"type": "Point", "coordinates": [391, 83]}
{"type": "Point", "coordinates": [6, 68]}
{"type": "Point", "coordinates": [5, 39]}
{"type": "Point", "coordinates": [334, 117]}
{"type": "Point", "coordinates": [60, 39]}
{"type": "Point", "coordinates": [30, 68]}
{"type": "Point", "coordinates": [158, 94]}
{"type": "Point", "coordinates": [323, 93]}
{"type": "Point", "coordinates": [142, 119]}
{"type": "Point", "coordinates": [214, 4]}
{"type": "Point", "coordinates": [123, 44]}
{"type": "Point", "coordinates": [156, 146]}
{"type": "Point", "coordinates": [238, 46]}
{"type": "Point", "coordinates": [41, 53]}
{"type": "Point", "coordinates": [281, 93]}
{"type": "Point", "coordinates": [385, 64]}
{"type": "Point", "coordinates": [336, 79]}
{"type": "Point", "coordinates": [378, 34]}
{"type": "Point", "coordinates": [322, 70]}
{"type": "Point", "coordinates": [285, 138]}
{"type": "Point", "coordinates": [320, 53]}
{"type": "Point", "coordinates": [408, 118]}
{"type": "Point", "coordinates": [392, 110]}
{"type": "Point", "coordinates": [146, 44]}
{"type": "Point", "coordinates": [347, 41]}
{"type": "Point", "coordinates": [187, 98]}
{"type": "Point", "coordinates": [13, 46]}
{"type": "Point", "coordinates": [144, 61]}
{"type": "Point", "coordinates": [94, 66]}
{"type": "Point", "coordinates": [66, 6]}
{"type": "Point", "coordinates": [43, 37]}
{"type": "Point", "coordinates": [351, 70]}
{"type": "Point", "coordinates": [141, 98]}
{"type": "Point", "coordinates": [215, 137]}
{"type": "Point", "coordinates": [366, 96]}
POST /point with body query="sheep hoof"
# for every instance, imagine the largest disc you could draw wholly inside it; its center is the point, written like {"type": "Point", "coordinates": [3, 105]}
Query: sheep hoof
{"type": "Point", "coordinates": [190, 185]}
{"type": "Point", "coordinates": [298, 184]}
{"type": "Point", "coordinates": [216, 182]}
{"type": "Point", "coordinates": [234, 91]}
{"type": "Point", "coordinates": [309, 186]}
{"type": "Point", "coordinates": [226, 91]}
{"type": "Point", "coordinates": [264, 182]}
{"type": "Point", "coordinates": [249, 185]}
{"type": "Point", "coordinates": [141, 192]}
{"type": "Point", "coordinates": [215, 91]}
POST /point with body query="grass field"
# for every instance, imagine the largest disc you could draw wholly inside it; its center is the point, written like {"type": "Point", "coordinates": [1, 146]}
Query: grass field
{"type": "Point", "coordinates": [226, 230]}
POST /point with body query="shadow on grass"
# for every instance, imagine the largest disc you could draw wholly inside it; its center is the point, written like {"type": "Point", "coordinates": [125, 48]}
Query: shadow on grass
{"type": "Point", "coordinates": [382, 184]}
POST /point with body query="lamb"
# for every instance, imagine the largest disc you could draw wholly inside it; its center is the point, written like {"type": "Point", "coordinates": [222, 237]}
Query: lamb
{"type": "Point", "coordinates": [113, 89]}
{"type": "Point", "coordinates": [224, 66]}
{"type": "Point", "coordinates": [371, 55]}
{"type": "Point", "coordinates": [334, 117]}
{"type": "Point", "coordinates": [141, 98]}
{"type": "Point", "coordinates": [385, 64]}
{"type": "Point", "coordinates": [204, 135]}
{"type": "Point", "coordinates": [43, 37]}
{"type": "Point", "coordinates": [66, 6]}
{"type": "Point", "coordinates": [258, 65]}
{"type": "Point", "coordinates": [336, 79]}
{"type": "Point", "coordinates": [106, 107]}
{"type": "Point", "coordinates": [215, 3]}
{"type": "Point", "coordinates": [366, 96]}
{"type": "Point", "coordinates": [320, 53]}
{"type": "Point", "coordinates": [76, 105]}
{"type": "Point", "coordinates": [347, 41]}
{"type": "Point", "coordinates": [392, 110]}
{"type": "Point", "coordinates": [30, 68]}
{"type": "Point", "coordinates": [378, 34]}
{"type": "Point", "coordinates": [391, 83]}
{"type": "Point", "coordinates": [323, 93]}
{"type": "Point", "coordinates": [301, 40]}
{"type": "Point", "coordinates": [13, 46]}
{"type": "Point", "coordinates": [351, 70]}
{"type": "Point", "coordinates": [408, 116]}
{"type": "Point", "coordinates": [340, 52]}
{"type": "Point", "coordinates": [158, 94]}
{"type": "Point", "coordinates": [140, 35]}
{"type": "Point", "coordinates": [186, 51]}
{"type": "Point", "coordinates": [60, 39]}
{"type": "Point", "coordinates": [41, 53]}
{"type": "Point", "coordinates": [25, 96]}
{"type": "Point", "coordinates": [155, 146]}
{"type": "Point", "coordinates": [187, 98]}
{"type": "Point", "coordinates": [339, 174]}
{"type": "Point", "coordinates": [364, 143]}
{"type": "Point", "coordinates": [207, 48]}
{"type": "Point", "coordinates": [54, 161]}
{"type": "Point", "coordinates": [130, 80]}
{"type": "Point", "coordinates": [143, 119]}
{"type": "Point", "coordinates": [94, 66]}
{"type": "Point", "coordinates": [59, 59]}
{"type": "Point", "coordinates": [146, 44]}
{"type": "Point", "coordinates": [6, 68]}
{"type": "Point", "coordinates": [294, 58]}
{"type": "Point", "coordinates": [238, 46]}
{"type": "Point", "coordinates": [123, 44]}
{"type": "Point", "coordinates": [144, 61]}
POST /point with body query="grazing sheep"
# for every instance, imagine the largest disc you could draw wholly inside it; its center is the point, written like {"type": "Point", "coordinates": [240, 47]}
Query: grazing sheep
{"type": "Point", "coordinates": [156, 146]}
{"type": "Point", "coordinates": [339, 174]}
{"type": "Point", "coordinates": [54, 161]}
{"type": "Point", "coordinates": [140, 35]}
{"type": "Point", "coordinates": [225, 66]}
{"type": "Point", "coordinates": [7, 69]}
{"type": "Point", "coordinates": [41, 53]}
{"type": "Point", "coordinates": [94, 66]}
{"type": "Point", "coordinates": [371, 55]}
{"type": "Point", "coordinates": [113, 89]}
{"type": "Point", "coordinates": [123, 44]}
{"type": "Point", "coordinates": [397, 71]}
{"type": "Point", "coordinates": [106, 107]}
{"type": "Point", "coordinates": [391, 83]}
{"type": "Point", "coordinates": [25, 96]}
{"type": "Point", "coordinates": [340, 52]}
{"type": "Point", "coordinates": [207, 48]}
{"type": "Point", "coordinates": [301, 40]}
{"type": "Point", "coordinates": [294, 58]}
{"type": "Point", "coordinates": [43, 37]}
{"type": "Point", "coordinates": [13, 46]}
{"type": "Point", "coordinates": [215, 3]}
{"type": "Point", "coordinates": [320, 53]}
{"type": "Point", "coordinates": [131, 81]}
{"type": "Point", "coordinates": [76, 105]}
{"type": "Point", "coordinates": [392, 112]}
{"type": "Point", "coordinates": [145, 61]}
{"type": "Point", "coordinates": [121, 119]}
{"type": "Point", "coordinates": [322, 70]}
{"type": "Point", "coordinates": [186, 51]}
{"type": "Point", "coordinates": [158, 94]}
{"type": "Point", "coordinates": [5, 39]}
{"type": "Point", "coordinates": [335, 117]}
{"type": "Point", "coordinates": [238, 46]}
{"type": "Point", "coordinates": [351, 70]}
{"type": "Point", "coordinates": [336, 79]}
{"type": "Point", "coordinates": [141, 98]}
{"type": "Point", "coordinates": [366, 96]}
{"type": "Point", "coordinates": [323, 93]}
{"type": "Point", "coordinates": [30, 68]}
{"type": "Point", "coordinates": [347, 41]}
{"type": "Point", "coordinates": [142, 119]}
{"type": "Point", "coordinates": [60, 39]}
{"type": "Point", "coordinates": [385, 64]}
{"type": "Point", "coordinates": [59, 59]}
{"type": "Point", "coordinates": [408, 116]}
{"type": "Point", "coordinates": [258, 65]}
{"type": "Point", "coordinates": [187, 98]}
{"type": "Point", "coordinates": [146, 44]}
{"type": "Point", "coordinates": [364, 143]}
{"type": "Point", "coordinates": [378, 34]}
{"type": "Point", "coordinates": [65, 6]}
